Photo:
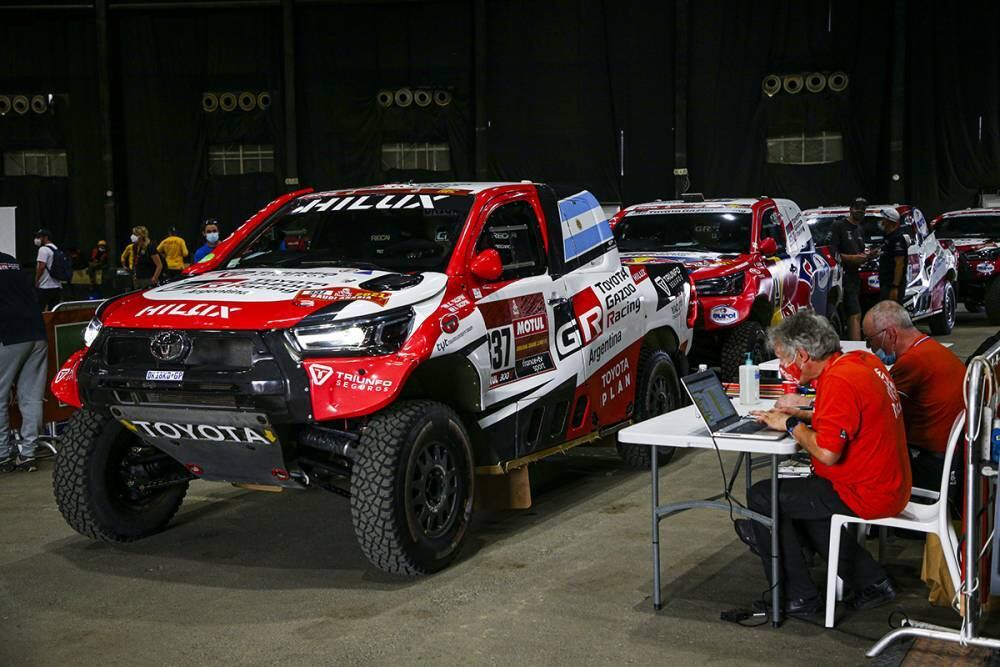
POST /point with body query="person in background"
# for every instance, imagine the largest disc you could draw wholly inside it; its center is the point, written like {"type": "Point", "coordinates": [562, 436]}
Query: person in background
{"type": "Point", "coordinates": [146, 265]}
{"type": "Point", "coordinates": [847, 240]}
{"type": "Point", "coordinates": [892, 260]}
{"type": "Point", "coordinates": [98, 262]}
{"type": "Point", "coordinates": [210, 230]}
{"type": "Point", "coordinates": [930, 381]}
{"type": "Point", "coordinates": [24, 361]}
{"type": "Point", "coordinates": [48, 288]}
{"type": "Point", "coordinates": [857, 443]}
{"type": "Point", "coordinates": [174, 250]}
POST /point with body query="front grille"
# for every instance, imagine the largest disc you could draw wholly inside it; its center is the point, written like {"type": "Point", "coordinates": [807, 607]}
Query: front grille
{"type": "Point", "coordinates": [179, 398]}
{"type": "Point", "coordinates": [207, 351]}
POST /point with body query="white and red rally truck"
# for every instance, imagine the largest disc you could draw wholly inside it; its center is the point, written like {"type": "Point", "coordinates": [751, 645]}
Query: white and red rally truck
{"type": "Point", "coordinates": [387, 343]}
{"type": "Point", "coordinates": [753, 262]}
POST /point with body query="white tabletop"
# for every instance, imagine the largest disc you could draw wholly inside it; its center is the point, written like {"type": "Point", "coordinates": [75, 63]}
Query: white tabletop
{"type": "Point", "coordinates": [845, 345]}
{"type": "Point", "coordinates": [685, 428]}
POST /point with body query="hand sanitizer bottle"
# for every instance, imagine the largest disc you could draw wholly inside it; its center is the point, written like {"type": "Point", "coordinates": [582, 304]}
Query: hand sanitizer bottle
{"type": "Point", "coordinates": [749, 382]}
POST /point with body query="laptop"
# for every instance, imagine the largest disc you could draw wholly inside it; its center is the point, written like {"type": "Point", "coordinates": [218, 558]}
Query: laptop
{"type": "Point", "coordinates": [717, 409]}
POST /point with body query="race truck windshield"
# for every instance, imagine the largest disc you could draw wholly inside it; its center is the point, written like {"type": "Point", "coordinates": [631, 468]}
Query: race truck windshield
{"type": "Point", "coordinates": [395, 232]}
{"type": "Point", "coordinates": [970, 226]}
{"type": "Point", "coordinates": [821, 228]}
{"type": "Point", "coordinates": [643, 231]}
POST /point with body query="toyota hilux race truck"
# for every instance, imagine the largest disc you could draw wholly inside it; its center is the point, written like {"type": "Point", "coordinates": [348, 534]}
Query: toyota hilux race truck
{"type": "Point", "coordinates": [931, 266]}
{"type": "Point", "coordinates": [387, 343]}
{"type": "Point", "coordinates": [975, 235]}
{"type": "Point", "coordinates": [753, 262]}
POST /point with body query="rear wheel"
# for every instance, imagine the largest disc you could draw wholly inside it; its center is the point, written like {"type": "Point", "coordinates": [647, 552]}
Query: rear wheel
{"type": "Point", "coordinates": [992, 302]}
{"type": "Point", "coordinates": [412, 488]}
{"type": "Point", "coordinates": [942, 323]}
{"type": "Point", "coordinates": [105, 481]}
{"type": "Point", "coordinates": [658, 391]}
{"type": "Point", "coordinates": [747, 337]}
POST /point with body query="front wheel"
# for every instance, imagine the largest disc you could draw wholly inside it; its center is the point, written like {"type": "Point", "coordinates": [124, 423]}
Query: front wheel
{"type": "Point", "coordinates": [102, 476]}
{"type": "Point", "coordinates": [658, 391]}
{"type": "Point", "coordinates": [942, 323]}
{"type": "Point", "coordinates": [412, 488]}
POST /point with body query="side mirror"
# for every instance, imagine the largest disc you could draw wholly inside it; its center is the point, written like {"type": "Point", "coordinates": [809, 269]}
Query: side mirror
{"type": "Point", "coordinates": [487, 265]}
{"type": "Point", "coordinates": [768, 247]}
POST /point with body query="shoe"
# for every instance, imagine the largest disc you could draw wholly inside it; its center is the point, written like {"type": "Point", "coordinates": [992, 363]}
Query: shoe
{"type": "Point", "coordinates": [744, 531]}
{"type": "Point", "coordinates": [875, 595]}
{"type": "Point", "coordinates": [25, 465]}
{"type": "Point", "coordinates": [799, 607]}
{"type": "Point", "coordinates": [6, 463]}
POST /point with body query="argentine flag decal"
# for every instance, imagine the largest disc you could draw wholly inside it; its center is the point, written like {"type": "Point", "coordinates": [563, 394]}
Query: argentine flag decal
{"type": "Point", "coordinates": [584, 226]}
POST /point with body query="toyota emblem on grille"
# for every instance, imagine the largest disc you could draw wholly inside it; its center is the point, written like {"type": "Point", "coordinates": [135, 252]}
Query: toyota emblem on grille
{"type": "Point", "coordinates": [169, 345]}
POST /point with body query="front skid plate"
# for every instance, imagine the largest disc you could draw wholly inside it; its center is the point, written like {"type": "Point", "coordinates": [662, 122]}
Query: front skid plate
{"type": "Point", "coordinates": [214, 445]}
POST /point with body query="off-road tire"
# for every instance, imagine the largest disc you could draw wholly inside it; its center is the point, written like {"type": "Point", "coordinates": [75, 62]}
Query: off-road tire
{"type": "Point", "coordinates": [991, 300]}
{"type": "Point", "coordinates": [386, 524]}
{"type": "Point", "coordinates": [942, 323]}
{"type": "Point", "coordinates": [91, 495]}
{"type": "Point", "coordinates": [837, 322]}
{"type": "Point", "coordinates": [750, 337]}
{"type": "Point", "coordinates": [658, 390]}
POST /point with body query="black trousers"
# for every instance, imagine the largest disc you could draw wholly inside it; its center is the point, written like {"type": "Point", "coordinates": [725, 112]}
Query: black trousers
{"type": "Point", "coordinates": [806, 506]}
{"type": "Point", "coordinates": [48, 298]}
{"type": "Point", "coordinates": [927, 468]}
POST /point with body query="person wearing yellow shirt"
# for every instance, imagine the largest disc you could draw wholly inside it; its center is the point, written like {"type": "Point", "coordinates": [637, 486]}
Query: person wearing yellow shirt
{"type": "Point", "coordinates": [175, 251]}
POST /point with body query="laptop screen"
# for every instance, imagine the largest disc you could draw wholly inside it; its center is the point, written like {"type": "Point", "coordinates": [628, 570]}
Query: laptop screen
{"type": "Point", "coordinates": [710, 399]}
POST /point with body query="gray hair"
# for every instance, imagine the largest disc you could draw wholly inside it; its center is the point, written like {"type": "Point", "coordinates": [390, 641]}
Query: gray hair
{"type": "Point", "coordinates": [806, 331]}
{"type": "Point", "coordinates": [885, 314]}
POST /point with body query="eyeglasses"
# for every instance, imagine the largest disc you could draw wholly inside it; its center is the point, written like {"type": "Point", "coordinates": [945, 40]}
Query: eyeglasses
{"type": "Point", "coordinates": [868, 339]}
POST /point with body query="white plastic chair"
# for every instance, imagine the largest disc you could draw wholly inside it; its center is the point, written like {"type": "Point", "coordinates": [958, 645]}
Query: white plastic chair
{"type": "Point", "coordinates": [932, 518]}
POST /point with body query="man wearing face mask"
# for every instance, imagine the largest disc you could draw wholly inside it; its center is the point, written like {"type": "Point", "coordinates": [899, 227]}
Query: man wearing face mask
{"type": "Point", "coordinates": [857, 443]}
{"type": "Point", "coordinates": [892, 260]}
{"type": "Point", "coordinates": [929, 378]}
{"type": "Point", "coordinates": [210, 230]}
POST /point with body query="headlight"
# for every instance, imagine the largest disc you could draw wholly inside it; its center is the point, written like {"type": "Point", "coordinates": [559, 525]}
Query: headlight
{"type": "Point", "coordinates": [721, 286]}
{"type": "Point", "coordinates": [371, 335]}
{"type": "Point", "coordinates": [90, 333]}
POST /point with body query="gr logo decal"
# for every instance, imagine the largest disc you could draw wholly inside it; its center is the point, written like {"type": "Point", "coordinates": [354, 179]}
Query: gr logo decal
{"type": "Point", "coordinates": [320, 374]}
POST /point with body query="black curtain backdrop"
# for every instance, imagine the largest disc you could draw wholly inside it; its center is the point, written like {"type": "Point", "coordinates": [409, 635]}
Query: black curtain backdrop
{"type": "Point", "coordinates": [737, 45]}
{"type": "Point", "coordinates": [43, 56]}
{"type": "Point", "coordinates": [570, 83]}
{"type": "Point", "coordinates": [166, 61]}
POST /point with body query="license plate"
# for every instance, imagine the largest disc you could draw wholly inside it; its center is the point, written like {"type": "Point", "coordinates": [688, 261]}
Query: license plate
{"type": "Point", "coordinates": [165, 376]}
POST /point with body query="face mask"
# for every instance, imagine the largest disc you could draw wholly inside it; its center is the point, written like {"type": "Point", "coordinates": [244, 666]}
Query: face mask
{"type": "Point", "coordinates": [212, 237]}
{"type": "Point", "coordinates": [134, 238]}
{"type": "Point", "coordinates": [38, 242]}
{"type": "Point", "coordinates": [887, 358]}
{"type": "Point", "coordinates": [791, 372]}
{"type": "Point", "coordinates": [102, 248]}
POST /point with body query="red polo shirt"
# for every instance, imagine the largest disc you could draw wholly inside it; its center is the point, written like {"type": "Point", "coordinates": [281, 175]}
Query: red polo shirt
{"type": "Point", "coordinates": [930, 381]}
{"type": "Point", "coordinates": [858, 414]}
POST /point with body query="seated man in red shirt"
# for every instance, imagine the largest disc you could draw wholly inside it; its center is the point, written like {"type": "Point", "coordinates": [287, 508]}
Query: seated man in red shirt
{"type": "Point", "coordinates": [929, 378]}
{"type": "Point", "coordinates": [857, 444]}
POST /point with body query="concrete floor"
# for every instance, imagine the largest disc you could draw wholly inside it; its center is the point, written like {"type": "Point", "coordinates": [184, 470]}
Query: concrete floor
{"type": "Point", "coordinates": [251, 578]}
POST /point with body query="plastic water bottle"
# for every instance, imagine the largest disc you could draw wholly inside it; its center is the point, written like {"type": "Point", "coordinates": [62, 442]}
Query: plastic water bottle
{"type": "Point", "coordinates": [749, 382]}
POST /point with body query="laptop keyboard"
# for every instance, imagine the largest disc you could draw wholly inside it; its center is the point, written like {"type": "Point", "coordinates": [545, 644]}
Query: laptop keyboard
{"type": "Point", "coordinates": [747, 427]}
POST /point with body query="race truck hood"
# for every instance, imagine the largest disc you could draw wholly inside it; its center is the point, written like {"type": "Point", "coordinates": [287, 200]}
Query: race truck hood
{"type": "Point", "coordinates": [260, 299]}
{"type": "Point", "coordinates": [700, 264]}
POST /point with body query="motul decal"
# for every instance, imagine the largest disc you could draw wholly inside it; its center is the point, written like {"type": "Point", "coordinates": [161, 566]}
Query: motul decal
{"type": "Point", "coordinates": [365, 202]}
{"type": "Point", "coordinates": [309, 297]}
{"type": "Point", "coordinates": [517, 336]}
{"type": "Point", "coordinates": [320, 374]}
{"type": "Point", "coordinates": [189, 310]}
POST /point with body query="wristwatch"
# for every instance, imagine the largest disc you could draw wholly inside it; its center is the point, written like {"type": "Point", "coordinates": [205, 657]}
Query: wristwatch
{"type": "Point", "coordinates": [791, 423]}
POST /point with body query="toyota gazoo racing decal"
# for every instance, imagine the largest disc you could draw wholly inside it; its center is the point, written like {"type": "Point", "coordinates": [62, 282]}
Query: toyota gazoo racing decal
{"type": "Point", "coordinates": [517, 336]}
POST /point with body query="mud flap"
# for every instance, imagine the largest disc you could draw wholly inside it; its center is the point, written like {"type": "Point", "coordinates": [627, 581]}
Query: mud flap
{"type": "Point", "coordinates": [214, 445]}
